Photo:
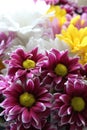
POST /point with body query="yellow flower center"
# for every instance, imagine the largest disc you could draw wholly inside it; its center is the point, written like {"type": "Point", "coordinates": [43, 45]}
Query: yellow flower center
{"type": "Point", "coordinates": [78, 104]}
{"type": "Point", "coordinates": [28, 64]}
{"type": "Point", "coordinates": [61, 70]}
{"type": "Point", "coordinates": [26, 99]}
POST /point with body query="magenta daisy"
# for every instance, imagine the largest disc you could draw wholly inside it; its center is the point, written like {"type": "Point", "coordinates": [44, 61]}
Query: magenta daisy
{"type": "Point", "coordinates": [28, 103]}
{"type": "Point", "coordinates": [58, 68]}
{"type": "Point", "coordinates": [72, 105]}
{"type": "Point", "coordinates": [22, 62]}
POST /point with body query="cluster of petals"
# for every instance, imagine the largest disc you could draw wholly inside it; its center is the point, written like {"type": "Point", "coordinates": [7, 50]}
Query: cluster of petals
{"type": "Point", "coordinates": [47, 126]}
{"type": "Point", "coordinates": [80, 21]}
{"type": "Point", "coordinates": [5, 40]}
{"type": "Point", "coordinates": [67, 112]}
{"type": "Point", "coordinates": [5, 82]}
{"type": "Point", "coordinates": [28, 116]}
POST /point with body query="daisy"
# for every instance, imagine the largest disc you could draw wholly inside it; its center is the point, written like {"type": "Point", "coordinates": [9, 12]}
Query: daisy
{"type": "Point", "coordinates": [58, 68]}
{"type": "Point", "coordinates": [71, 105]}
{"type": "Point", "coordinates": [22, 62]}
{"type": "Point", "coordinates": [28, 103]}
{"type": "Point", "coordinates": [77, 40]}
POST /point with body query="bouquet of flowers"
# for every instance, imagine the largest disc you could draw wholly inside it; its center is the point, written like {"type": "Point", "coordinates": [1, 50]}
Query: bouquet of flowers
{"type": "Point", "coordinates": [43, 70]}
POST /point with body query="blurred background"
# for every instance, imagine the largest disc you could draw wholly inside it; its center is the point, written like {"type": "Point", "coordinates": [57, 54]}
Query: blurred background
{"type": "Point", "coordinates": [22, 11]}
{"type": "Point", "coordinates": [25, 12]}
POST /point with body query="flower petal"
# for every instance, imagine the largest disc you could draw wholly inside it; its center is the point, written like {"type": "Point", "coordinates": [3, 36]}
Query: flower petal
{"type": "Point", "coordinates": [26, 116]}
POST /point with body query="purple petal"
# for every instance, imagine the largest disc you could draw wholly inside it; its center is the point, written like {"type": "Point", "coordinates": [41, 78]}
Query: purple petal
{"type": "Point", "coordinates": [58, 79]}
{"type": "Point", "coordinates": [15, 110]}
{"type": "Point", "coordinates": [20, 73]}
{"type": "Point", "coordinates": [64, 58]}
{"type": "Point", "coordinates": [69, 110]}
{"type": "Point", "coordinates": [81, 119]}
{"type": "Point", "coordinates": [65, 98]}
{"type": "Point", "coordinates": [21, 53]}
{"type": "Point", "coordinates": [26, 116]}
{"type": "Point", "coordinates": [39, 106]}
{"type": "Point", "coordinates": [30, 86]}
{"type": "Point", "coordinates": [63, 111]}
{"type": "Point", "coordinates": [52, 58]}
{"type": "Point", "coordinates": [16, 57]}
{"type": "Point", "coordinates": [65, 120]}
{"type": "Point", "coordinates": [36, 119]}
{"type": "Point", "coordinates": [8, 102]}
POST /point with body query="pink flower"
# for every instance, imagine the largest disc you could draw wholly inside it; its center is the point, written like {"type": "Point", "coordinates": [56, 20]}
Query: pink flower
{"type": "Point", "coordinates": [5, 41]}
{"type": "Point", "coordinates": [28, 103]}
{"type": "Point", "coordinates": [58, 68]}
{"type": "Point", "coordinates": [22, 63]}
{"type": "Point", "coordinates": [71, 105]}
{"type": "Point", "coordinates": [5, 82]}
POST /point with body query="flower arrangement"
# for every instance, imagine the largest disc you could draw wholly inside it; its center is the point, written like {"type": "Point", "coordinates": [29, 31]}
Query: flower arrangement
{"type": "Point", "coordinates": [43, 71]}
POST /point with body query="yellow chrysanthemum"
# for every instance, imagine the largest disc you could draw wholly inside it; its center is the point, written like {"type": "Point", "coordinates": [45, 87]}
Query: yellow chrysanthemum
{"type": "Point", "coordinates": [76, 39]}
{"type": "Point", "coordinates": [58, 13]}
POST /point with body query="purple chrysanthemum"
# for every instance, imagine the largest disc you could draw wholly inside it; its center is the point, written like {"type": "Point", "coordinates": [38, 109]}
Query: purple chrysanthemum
{"type": "Point", "coordinates": [22, 62]}
{"type": "Point", "coordinates": [72, 105]}
{"type": "Point", "coordinates": [59, 68]}
{"type": "Point", "coordinates": [28, 103]}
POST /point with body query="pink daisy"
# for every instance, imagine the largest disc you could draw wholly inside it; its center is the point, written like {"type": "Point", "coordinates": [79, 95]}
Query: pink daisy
{"type": "Point", "coordinates": [22, 62]}
{"type": "Point", "coordinates": [72, 105]}
{"type": "Point", "coordinates": [58, 68]}
{"type": "Point", "coordinates": [28, 103]}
